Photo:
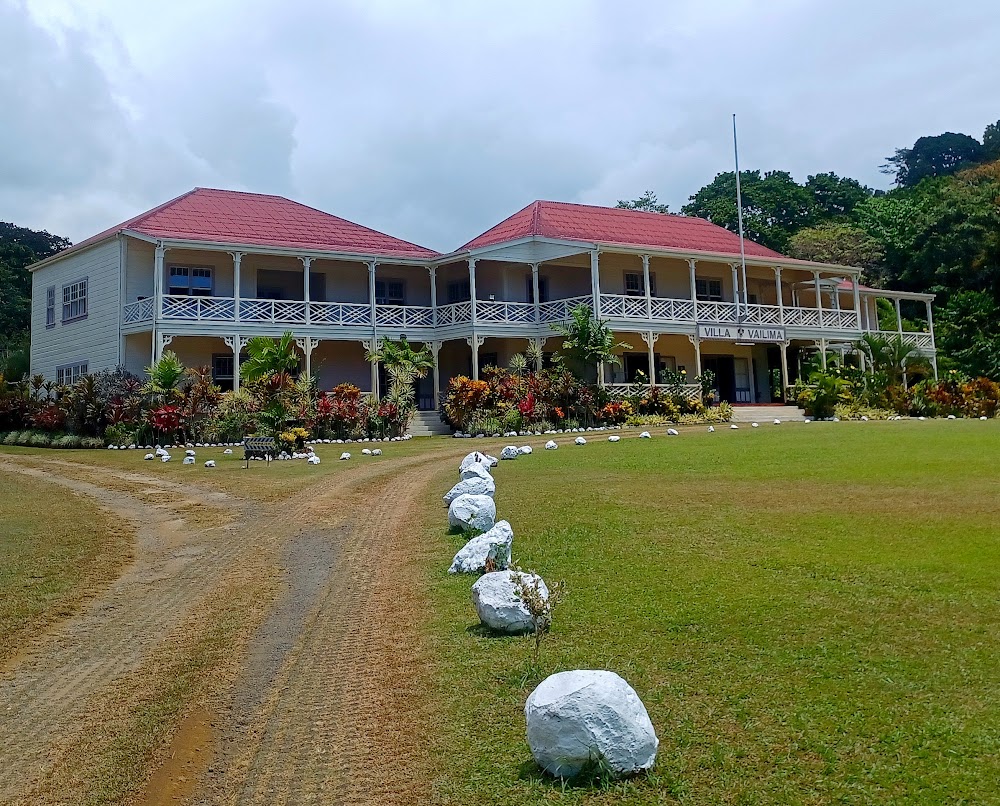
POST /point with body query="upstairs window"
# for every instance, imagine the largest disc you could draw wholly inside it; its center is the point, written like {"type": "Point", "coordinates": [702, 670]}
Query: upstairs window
{"type": "Point", "coordinates": [708, 290]}
{"type": "Point", "coordinates": [459, 291]}
{"type": "Point", "coordinates": [190, 281]}
{"type": "Point", "coordinates": [71, 373]}
{"type": "Point", "coordinates": [50, 306]}
{"type": "Point", "coordinates": [635, 287]}
{"type": "Point", "coordinates": [74, 301]}
{"type": "Point", "coordinates": [390, 292]}
{"type": "Point", "coordinates": [543, 289]}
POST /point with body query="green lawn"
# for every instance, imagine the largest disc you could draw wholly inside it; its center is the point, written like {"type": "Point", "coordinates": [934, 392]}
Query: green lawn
{"type": "Point", "coordinates": [809, 612]}
{"type": "Point", "coordinates": [56, 548]}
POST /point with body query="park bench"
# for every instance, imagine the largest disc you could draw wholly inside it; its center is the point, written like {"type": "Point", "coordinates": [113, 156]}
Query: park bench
{"type": "Point", "coordinates": [258, 448]}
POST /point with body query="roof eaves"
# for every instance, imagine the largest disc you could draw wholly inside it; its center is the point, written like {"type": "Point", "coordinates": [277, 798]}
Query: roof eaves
{"type": "Point", "coordinates": [71, 250]}
{"type": "Point", "coordinates": [292, 251]}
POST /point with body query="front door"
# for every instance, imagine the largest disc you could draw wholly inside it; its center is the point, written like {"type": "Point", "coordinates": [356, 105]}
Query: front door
{"type": "Point", "coordinates": [634, 363]}
{"type": "Point", "coordinates": [744, 390]}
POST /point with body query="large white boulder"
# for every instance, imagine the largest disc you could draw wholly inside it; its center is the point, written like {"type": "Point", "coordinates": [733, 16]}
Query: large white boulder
{"type": "Point", "coordinates": [472, 512]}
{"type": "Point", "coordinates": [510, 452]}
{"type": "Point", "coordinates": [477, 458]}
{"type": "Point", "coordinates": [345, 455]}
{"type": "Point", "coordinates": [313, 460]}
{"type": "Point", "coordinates": [498, 603]}
{"type": "Point", "coordinates": [581, 716]}
{"type": "Point", "coordinates": [524, 450]}
{"type": "Point", "coordinates": [188, 460]}
{"type": "Point", "coordinates": [494, 545]}
{"type": "Point", "coordinates": [475, 485]}
{"type": "Point", "coordinates": [475, 471]}
{"type": "Point", "coordinates": [580, 441]}
{"type": "Point", "coordinates": [551, 445]}
{"type": "Point", "coordinates": [614, 438]}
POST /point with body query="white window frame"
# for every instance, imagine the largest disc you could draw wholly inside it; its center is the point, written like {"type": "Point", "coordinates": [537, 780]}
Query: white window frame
{"type": "Point", "coordinates": [465, 291]}
{"type": "Point", "coordinates": [390, 295]}
{"type": "Point", "coordinates": [188, 288]}
{"type": "Point", "coordinates": [641, 290]}
{"type": "Point", "coordinates": [74, 300]}
{"type": "Point", "coordinates": [68, 374]}
{"type": "Point", "coordinates": [50, 306]}
{"type": "Point", "coordinates": [707, 295]}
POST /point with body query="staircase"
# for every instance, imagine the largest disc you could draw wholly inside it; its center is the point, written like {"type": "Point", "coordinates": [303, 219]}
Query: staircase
{"type": "Point", "coordinates": [767, 414]}
{"type": "Point", "coordinates": [428, 424]}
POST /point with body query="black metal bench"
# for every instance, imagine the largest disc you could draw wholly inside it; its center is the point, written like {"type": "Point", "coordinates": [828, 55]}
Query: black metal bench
{"type": "Point", "coordinates": [258, 448]}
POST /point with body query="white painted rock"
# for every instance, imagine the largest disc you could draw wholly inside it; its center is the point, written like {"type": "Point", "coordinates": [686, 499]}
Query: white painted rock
{"type": "Point", "coordinates": [477, 458]}
{"type": "Point", "coordinates": [472, 512]}
{"type": "Point", "coordinates": [366, 451]}
{"type": "Point", "coordinates": [951, 416]}
{"type": "Point", "coordinates": [313, 460]}
{"type": "Point", "coordinates": [509, 452]}
{"type": "Point", "coordinates": [345, 455]}
{"type": "Point", "coordinates": [580, 441]}
{"type": "Point", "coordinates": [983, 417]}
{"type": "Point", "coordinates": [165, 457]}
{"type": "Point", "coordinates": [671, 432]}
{"type": "Point", "coordinates": [734, 426]}
{"type": "Point", "coordinates": [475, 471]}
{"type": "Point", "coordinates": [525, 450]}
{"type": "Point", "coordinates": [161, 452]}
{"type": "Point", "coordinates": [645, 435]}
{"type": "Point", "coordinates": [475, 485]}
{"type": "Point", "coordinates": [494, 544]}
{"type": "Point", "coordinates": [864, 418]}
{"type": "Point", "coordinates": [148, 456]}
{"type": "Point", "coordinates": [551, 445]}
{"type": "Point", "coordinates": [754, 425]}
{"type": "Point", "coordinates": [614, 438]}
{"type": "Point", "coordinates": [498, 604]}
{"type": "Point", "coordinates": [210, 463]}
{"type": "Point", "coordinates": [711, 429]}
{"type": "Point", "coordinates": [227, 452]}
{"type": "Point", "coordinates": [575, 717]}
{"type": "Point", "coordinates": [188, 460]}
{"type": "Point", "coordinates": [189, 453]}
{"type": "Point", "coordinates": [377, 452]}
{"type": "Point", "coordinates": [777, 421]}
{"type": "Point", "coordinates": [921, 418]}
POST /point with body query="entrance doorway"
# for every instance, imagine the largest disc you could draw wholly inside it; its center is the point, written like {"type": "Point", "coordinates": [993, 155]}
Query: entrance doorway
{"type": "Point", "coordinates": [744, 385]}
{"type": "Point", "coordinates": [723, 367]}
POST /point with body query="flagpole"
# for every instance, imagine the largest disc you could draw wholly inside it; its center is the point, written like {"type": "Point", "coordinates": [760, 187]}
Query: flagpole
{"type": "Point", "coordinates": [739, 215]}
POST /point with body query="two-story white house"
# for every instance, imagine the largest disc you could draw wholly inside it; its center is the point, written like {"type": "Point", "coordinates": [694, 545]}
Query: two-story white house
{"type": "Point", "coordinates": [208, 270]}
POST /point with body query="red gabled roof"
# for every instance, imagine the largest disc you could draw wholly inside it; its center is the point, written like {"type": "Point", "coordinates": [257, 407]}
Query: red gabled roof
{"type": "Point", "coordinates": [255, 219]}
{"type": "Point", "coordinates": [613, 225]}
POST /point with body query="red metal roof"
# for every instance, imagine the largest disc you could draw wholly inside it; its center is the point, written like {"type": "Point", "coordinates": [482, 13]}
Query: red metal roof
{"type": "Point", "coordinates": [612, 225]}
{"type": "Point", "coordinates": [255, 219]}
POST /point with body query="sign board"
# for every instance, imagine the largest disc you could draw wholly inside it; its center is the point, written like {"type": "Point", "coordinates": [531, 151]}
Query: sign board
{"type": "Point", "coordinates": [753, 333]}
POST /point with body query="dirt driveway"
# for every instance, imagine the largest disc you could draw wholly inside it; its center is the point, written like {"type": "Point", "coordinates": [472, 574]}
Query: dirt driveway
{"type": "Point", "coordinates": [260, 653]}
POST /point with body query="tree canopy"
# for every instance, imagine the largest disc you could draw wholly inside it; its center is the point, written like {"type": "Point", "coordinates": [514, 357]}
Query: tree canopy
{"type": "Point", "coordinates": [647, 202]}
{"type": "Point", "coordinates": [940, 155]}
{"type": "Point", "coordinates": [19, 248]}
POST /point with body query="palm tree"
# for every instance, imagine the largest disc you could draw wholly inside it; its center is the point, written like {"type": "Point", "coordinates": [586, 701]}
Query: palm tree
{"type": "Point", "coordinates": [589, 341]}
{"type": "Point", "coordinates": [402, 363]}
{"type": "Point", "coordinates": [893, 357]}
{"type": "Point", "coordinates": [164, 376]}
{"type": "Point", "coordinates": [268, 357]}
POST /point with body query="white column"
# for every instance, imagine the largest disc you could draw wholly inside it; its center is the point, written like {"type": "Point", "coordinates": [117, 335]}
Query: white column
{"type": "Point", "coordinates": [158, 282]}
{"type": "Point", "coordinates": [822, 348]}
{"type": "Point", "coordinates": [306, 296]}
{"type": "Point", "coordinates": [435, 347]}
{"type": "Point", "coordinates": [650, 338]}
{"type": "Point", "coordinates": [595, 283]}
{"type": "Point", "coordinates": [857, 297]}
{"type": "Point", "coordinates": [819, 306]}
{"type": "Point", "coordinates": [736, 288]}
{"type": "Point", "coordinates": [778, 295]}
{"type": "Point", "coordinates": [785, 383]}
{"type": "Point", "coordinates": [237, 261]}
{"type": "Point", "coordinates": [472, 289]}
{"type": "Point", "coordinates": [432, 271]}
{"type": "Point", "coordinates": [308, 344]}
{"type": "Point", "coordinates": [899, 318]}
{"type": "Point", "coordinates": [374, 340]}
{"type": "Point", "coordinates": [647, 287]}
{"type": "Point", "coordinates": [538, 353]}
{"type": "Point", "coordinates": [372, 345]}
{"type": "Point", "coordinates": [235, 343]}
{"type": "Point", "coordinates": [930, 330]}
{"type": "Point", "coordinates": [535, 290]}
{"type": "Point", "coordinates": [697, 355]}
{"type": "Point", "coordinates": [694, 288]}
{"type": "Point", "coordinates": [475, 342]}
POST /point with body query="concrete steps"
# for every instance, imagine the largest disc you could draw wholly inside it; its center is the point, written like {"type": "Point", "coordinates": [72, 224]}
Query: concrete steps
{"type": "Point", "coordinates": [767, 414]}
{"type": "Point", "coordinates": [428, 424]}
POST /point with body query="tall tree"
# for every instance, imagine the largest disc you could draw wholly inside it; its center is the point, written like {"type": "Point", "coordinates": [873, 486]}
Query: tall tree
{"type": "Point", "coordinates": [647, 202]}
{"type": "Point", "coordinates": [991, 142]}
{"type": "Point", "coordinates": [19, 248]}
{"type": "Point", "coordinates": [775, 206]}
{"type": "Point", "coordinates": [840, 243]}
{"type": "Point", "coordinates": [836, 196]}
{"type": "Point", "coordinates": [940, 155]}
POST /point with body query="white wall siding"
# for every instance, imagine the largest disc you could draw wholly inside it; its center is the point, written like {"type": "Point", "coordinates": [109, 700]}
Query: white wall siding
{"type": "Point", "coordinates": [94, 340]}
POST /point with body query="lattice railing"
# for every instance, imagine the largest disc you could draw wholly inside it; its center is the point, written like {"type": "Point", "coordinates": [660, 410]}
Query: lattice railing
{"type": "Point", "coordinates": [455, 313]}
{"type": "Point", "coordinates": [557, 310]}
{"type": "Point", "coordinates": [197, 308]}
{"type": "Point", "coordinates": [761, 314]}
{"type": "Point", "coordinates": [340, 313]}
{"type": "Point", "coordinates": [139, 311]}
{"type": "Point", "coordinates": [716, 311]}
{"type": "Point", "coordinates": [404, 316]}
{"type": "Point", "coordinates": [922, 341]}
{"type": "Point", "coordinates": [505, 312]}
{"type": "Point", "coordinates": [802, 317]}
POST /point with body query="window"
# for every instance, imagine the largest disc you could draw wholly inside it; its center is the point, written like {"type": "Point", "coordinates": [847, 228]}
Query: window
{"type": "Point", "coordinates": [50, 306]}
{"type": "Point", "coordinates": [543, 289]}
{"type": "Point", "coordinates": [74, 301]}
{"type": "Point", "coordinates": [635, 287]}
{"type": "Point", "coordinates": [222, 370]}
{"type": "Point", "coordinates": [71, 373]}
{"type": "Point", "coordinates": [459, 291]}
{"type": "Point", "coordinates": [708, 290]}
{"type": "Point", "coordinates": [390, 292]}
{"type": "Point", "coordinates": [190, 281]}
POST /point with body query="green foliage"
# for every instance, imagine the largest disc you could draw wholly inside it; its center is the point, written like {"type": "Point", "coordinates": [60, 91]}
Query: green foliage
{"type": "Point", "coordinates": [838, 243]}
{"type": "Point", "coordinates": [940, 155]}
{"type": "Point", "coordinates": [647, 203]}
{"type": "Point", "coordinates": [267, 357]}
{"type": "Point", "coordinates": [19, 248]}
{"type": "Point", "coordinates": [403, 365]}
{"type": "Point", "coordinates": [588, 342]}
{"type": "Point", "coordinates": [968, 332]}
{"type": "Point", "coordinates": [991, 142]}
{"type": "Point", "coordinates": [164, 375]}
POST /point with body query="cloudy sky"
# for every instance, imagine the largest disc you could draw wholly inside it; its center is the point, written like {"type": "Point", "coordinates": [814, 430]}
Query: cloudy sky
{"type": "Point", "coordinates": [434, 120]}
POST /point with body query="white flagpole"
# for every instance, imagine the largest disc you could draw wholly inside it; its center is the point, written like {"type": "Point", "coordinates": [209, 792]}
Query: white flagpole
{"type": "Point", "coordinates": [739, 214]}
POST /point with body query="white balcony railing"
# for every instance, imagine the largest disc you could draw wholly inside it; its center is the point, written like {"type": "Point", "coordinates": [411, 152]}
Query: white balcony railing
{"type": "Point", "coordinates": [197, 308]}
{"type": "Point", "coordinates": [505, 312]}
{"type": "Point", "coordinates": [404, 316]}
{"type": "Point", "coordinates": [340, 313]}
{"type": "Point", "coordinates": [922, 341]}
{"type": "Point", "coordinates": [139, 311]}
{"type": "Point", "coordinates": [690, 391]}
{"type": "Point", "coordinates": [455, 313]}
{"type": "Point", "coordinates": [724, 312]}
{"type": "Point", "coordinates": [557, 310]}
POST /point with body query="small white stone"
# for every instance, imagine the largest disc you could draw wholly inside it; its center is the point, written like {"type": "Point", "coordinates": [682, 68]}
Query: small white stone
{"type": "Point", "coordinates": [377, 452]}
{"type": "Point", "coordinates": [754, 425]}
{"type": "Point", "coordinates": [313, 460]}
{"type": "Point", "coordinates": [345, 455]}
{"type": "Point", "coordinates": [864, 418]}
{"type": "Point", "coordinates": [210, 463]}
{"type": "Point", "coordinates": [645, 435]}
{"type": "Point", "coordinates": [165, 457]}
{"type": "Point", "coordinates": [580, 440]}
{"type": "Point", "coordinates": [921, 418]}
{"type": "Point", "coordinates": [614, 438]}
{"type": "Point", "coordinates": [148, 456]}
{"type": "Point", "coordinates": [733, 427]}
{"type": "Point", "coordinates": [509, 452]}
{"type": "Point", "coordinates": [472, 512]}
{"type": "Point", "coordinates": [711, 429]}
{"type": "Point", "coordinates": [474, 485]}
{"type": "Point", "coordinates": [366, 451]}
{"type": "Point", "coordinates": [551, 445]}
{"type": "Point", "coordinates": [188, 460]}
{"type": "Point", "coordinates": [524, 450]}
{"type": "Point", "coordinates": [494, 544]}
{"type": "Point", "coordinates": [498, 603]}
{"type": "Point", "coordinates": [983, 417]}
{"type": "Point", "coordinates": [951, 416]}
{"type": "Point", "coordinates": [672, 432]}
{"type": "Point", "coordinates": [777, 421]}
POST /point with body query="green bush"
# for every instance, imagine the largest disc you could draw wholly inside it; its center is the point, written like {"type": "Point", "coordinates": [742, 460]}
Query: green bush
{"type": "Point", "coordinates": [91, 442]}
{"type": "Point", "coordinates": [67, 441]}
{"type": "Point", "coordinates": [855, 411]}
{"type": "Point", "coordinates": [13, 438]}
{"type": "Point", "coordinates": [119, 434]}
{"type": "Point", "coordinates": [38, 439]}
